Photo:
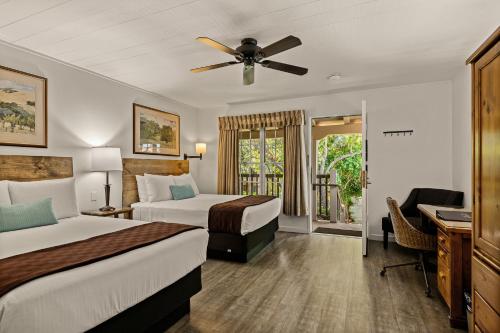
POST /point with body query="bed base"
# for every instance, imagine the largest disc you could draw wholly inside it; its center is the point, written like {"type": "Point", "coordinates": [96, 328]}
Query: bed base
{"type": "Point", "coordinates": [158, 312]}
{"type": "Point", "coordinates": [238, 247]}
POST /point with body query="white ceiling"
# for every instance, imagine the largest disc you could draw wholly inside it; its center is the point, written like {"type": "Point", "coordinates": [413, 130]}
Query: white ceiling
{"type": "Point", "coordinates": [150, 43]}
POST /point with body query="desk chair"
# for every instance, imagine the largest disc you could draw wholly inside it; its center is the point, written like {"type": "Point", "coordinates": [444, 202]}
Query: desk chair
{"type": "Point", "coordinates": [408, 236]}
{"type": "Point", "coordinates": [428, 196]}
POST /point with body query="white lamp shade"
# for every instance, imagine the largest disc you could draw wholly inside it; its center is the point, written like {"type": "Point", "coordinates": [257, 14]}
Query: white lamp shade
{"type": "Point", "coordinates": [201, 148]}
{"type": "Point", "coordinates": [106, 159]}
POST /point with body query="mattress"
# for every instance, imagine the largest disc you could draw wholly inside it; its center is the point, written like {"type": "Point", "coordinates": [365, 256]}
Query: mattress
{"type": "Point", "coordinates": [194, 211]}
{"type": "Point", "coordinates": [79, 299]}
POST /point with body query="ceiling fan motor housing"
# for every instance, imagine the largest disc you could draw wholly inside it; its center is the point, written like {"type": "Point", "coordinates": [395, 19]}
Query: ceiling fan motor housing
{"type": "Point", "coordinates": [248, 51]}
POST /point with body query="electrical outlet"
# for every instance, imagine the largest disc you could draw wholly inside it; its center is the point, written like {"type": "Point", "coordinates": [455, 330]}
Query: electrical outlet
{"type": "Point", "coordinates": [93, 196]}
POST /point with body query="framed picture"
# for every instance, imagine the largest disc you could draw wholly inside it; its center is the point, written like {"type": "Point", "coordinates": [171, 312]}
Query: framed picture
{"type": "Point", "coordinates": [156, 132]}
{"type": "Point", "coordinates": [23, 109]}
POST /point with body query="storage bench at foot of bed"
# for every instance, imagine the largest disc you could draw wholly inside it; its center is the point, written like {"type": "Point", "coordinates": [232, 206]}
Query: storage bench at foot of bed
{"type": "Point", "coordinates": [241, 248]}
{"type": "Point", "coordinates": [158, 312]}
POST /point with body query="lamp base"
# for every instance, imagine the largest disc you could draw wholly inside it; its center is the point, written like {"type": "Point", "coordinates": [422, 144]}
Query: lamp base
{"type": "Point", "coordinates": [107, 209]}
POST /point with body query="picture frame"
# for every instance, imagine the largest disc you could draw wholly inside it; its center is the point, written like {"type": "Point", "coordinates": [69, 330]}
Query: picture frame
{"type": "Point", "coordinates": [155, 132]}
{"type": "Point", "coordinates": [23, 109]}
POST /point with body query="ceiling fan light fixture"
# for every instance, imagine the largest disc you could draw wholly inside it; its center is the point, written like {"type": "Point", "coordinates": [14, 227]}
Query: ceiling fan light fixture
{"type": "Point", "coordinates": [248, 74]}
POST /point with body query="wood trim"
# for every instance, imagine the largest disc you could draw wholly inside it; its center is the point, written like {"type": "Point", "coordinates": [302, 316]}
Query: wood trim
{"type": "Point", "coordinates": [135, 166]}
{"type": "Point", "coordinates": [46, 113]}
{"type": "Point", "coordinates": [31, 168]}
{"type": "Point", "coordinates": [157, 110]}
{"type": "Point", "coordinates": [483, 48]}
{"type": "Point", "coordinates": [487, 249]}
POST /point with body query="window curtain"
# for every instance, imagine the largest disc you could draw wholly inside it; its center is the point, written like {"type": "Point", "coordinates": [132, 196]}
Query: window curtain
{"type": "Point", "coordinates": [295, 173]}
{"type": "Point", "coordinates": [228, 167]}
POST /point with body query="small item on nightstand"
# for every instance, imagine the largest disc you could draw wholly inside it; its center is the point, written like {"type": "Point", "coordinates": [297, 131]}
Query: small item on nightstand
{"type": "Point", "coordinates": [126, 211]}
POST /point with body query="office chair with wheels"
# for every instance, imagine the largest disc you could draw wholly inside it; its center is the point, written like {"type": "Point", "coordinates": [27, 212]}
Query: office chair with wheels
{"type": "Point", "coordinates": [408, 236]}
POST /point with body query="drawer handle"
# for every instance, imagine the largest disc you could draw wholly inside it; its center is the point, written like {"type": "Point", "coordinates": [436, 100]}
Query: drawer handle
{"type": "Point", "coordinates": [442, 276]}
{"type": "Point", "coordinates": [441, 254]}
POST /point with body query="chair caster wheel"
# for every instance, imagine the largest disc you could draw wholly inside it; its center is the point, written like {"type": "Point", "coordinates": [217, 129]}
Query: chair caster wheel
{"type": "Point", "coordinates": [428, 293]}
{"type": "Point", "coordinates": [382, 272]}
{"type": "Point", "coordinates": [418, 267]}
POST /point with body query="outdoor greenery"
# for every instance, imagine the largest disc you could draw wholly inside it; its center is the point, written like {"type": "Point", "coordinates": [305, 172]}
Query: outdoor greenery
{"type": "Point", "coordinates": [342, 152]}
{"type": "Point", "coordinates": [250, 162]}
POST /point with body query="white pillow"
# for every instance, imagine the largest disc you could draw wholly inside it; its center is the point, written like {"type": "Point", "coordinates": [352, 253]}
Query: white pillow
{"type": "Point", "coordinates": [62, 192]}
{"type": "Point", "coordinates": [187, 179]}
{"type": "Point", "coordinates": [142, 189]}
{"type": "Point", "coordinates": [4, 193]}
{"type": "Point", "coordinates": [158, 187]}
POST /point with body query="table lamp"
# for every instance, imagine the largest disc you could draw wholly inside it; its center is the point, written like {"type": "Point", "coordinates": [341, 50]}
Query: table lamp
{"type": "Point", "coordinates": [106, 159]}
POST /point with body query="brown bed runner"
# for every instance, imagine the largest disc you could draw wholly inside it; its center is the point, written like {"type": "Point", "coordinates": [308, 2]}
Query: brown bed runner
{"type": "Point", "coordinates": [226, 217]}
{"type": "Point", "coordinates": [22, 268]}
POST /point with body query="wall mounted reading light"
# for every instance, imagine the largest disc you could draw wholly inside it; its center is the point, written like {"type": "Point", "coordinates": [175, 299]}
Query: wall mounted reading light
{"type": "Point", "coordinates": [201, 148]}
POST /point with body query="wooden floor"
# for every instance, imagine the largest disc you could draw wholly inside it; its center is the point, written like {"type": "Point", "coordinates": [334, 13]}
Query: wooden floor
{"type": "Point", "coordinates": [315, 283]}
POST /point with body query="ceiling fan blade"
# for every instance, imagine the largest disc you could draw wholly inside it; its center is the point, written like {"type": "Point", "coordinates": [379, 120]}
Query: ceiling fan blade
{"type": "Point", "coordinates": [207, 68]}
{"type": "Point", "coordinates": [279, 66]}
{"type": "Point", "coordinates": [217, 45]}
{"type": "Point", "coordinates": [280, 46]}
{"type": "Point", "coordinates": [248, 74]}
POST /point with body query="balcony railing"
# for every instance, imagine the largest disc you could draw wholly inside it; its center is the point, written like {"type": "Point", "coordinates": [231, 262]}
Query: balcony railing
{"type": "Point", "coordinates": [328, 203]}
{"type": "Point", "coordinates": [250, 183]}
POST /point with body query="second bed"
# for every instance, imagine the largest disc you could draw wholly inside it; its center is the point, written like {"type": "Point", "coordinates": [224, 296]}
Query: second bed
{"type": "Point", "coordinates": [258, 223]}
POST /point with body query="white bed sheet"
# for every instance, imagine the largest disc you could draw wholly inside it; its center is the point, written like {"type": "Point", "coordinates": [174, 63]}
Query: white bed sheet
{"type": "Point", "coordinates": [79, 299]}
{"type": "Point", "coordinates": [194, 211]}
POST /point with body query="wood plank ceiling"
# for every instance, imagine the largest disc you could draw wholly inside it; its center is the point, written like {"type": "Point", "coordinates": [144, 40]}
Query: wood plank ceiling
{"type": "Point", "coordinates": [150, 43]}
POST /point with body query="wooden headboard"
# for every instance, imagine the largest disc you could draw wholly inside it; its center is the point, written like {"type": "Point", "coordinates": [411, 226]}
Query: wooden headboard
{"type": "Point", "coordinates": [30, 168]}
{"type": "Point", "coordinates": [135, 166]}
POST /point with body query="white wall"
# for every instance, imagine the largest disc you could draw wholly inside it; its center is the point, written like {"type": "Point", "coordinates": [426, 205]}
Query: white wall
{"type": "Point", "coordinates": [86, 110]}
{"type": "Point", "coordinates": [462, 134]}
{"type": "Point", "coordinates": [396, 164]}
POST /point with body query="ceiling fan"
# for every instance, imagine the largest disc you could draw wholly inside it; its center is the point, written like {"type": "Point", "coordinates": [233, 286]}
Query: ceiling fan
{"type": "Point", "coordinates": [249, 53]}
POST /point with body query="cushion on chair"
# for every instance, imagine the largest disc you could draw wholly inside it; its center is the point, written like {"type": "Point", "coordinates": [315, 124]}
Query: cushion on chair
{"type": "Point", "coordinates": [426, 196]}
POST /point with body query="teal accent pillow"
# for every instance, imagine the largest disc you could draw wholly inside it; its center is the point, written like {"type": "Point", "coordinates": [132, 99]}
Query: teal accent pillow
{"type": "Point", "coordinates": [180, 192]}
{"type": "Point", "coordinates": [27, 215]}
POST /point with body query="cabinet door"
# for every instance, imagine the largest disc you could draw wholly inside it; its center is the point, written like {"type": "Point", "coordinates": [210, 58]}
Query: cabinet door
{"type": "Point", "coordinates": [487, 154]}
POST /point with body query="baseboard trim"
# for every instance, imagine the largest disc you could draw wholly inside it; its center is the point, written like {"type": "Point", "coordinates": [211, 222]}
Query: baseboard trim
{"type": "Point", "coordinates": [296, 230]}
{"type": "Point", "coordinates": [380, 238]}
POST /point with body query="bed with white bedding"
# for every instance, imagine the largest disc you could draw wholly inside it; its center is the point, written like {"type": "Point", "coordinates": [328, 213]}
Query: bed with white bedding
{"type": "Point", "coordinates": [146, 186]}
{"type": "Point", "coordinates": [146, 287]}
{"type": "Point", "coordinates": [194, 211]}
{"type": "Point", "coordinates": [79, 299]}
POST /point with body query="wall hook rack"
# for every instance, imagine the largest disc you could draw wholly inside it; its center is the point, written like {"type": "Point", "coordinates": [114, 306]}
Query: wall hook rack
{"type": "Point", "coordinates": [403, 132]}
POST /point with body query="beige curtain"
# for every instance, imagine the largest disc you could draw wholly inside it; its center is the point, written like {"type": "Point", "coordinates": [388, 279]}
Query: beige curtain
{"type": "Point", "coordinates": [295, 194]}
{"type": "Point", "coordinates": [228, 170]}
{"type": "Point", "coordinates": [295, 173]}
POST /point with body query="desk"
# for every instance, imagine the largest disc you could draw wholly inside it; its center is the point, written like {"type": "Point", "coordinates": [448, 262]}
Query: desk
{"type": "Point", "coordinates": [454, 261]}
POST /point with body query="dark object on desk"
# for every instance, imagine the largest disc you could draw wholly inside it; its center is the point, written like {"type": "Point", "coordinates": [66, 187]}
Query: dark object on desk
{"type": "Point", "coordinates": [450, 215]}
{"type": "Point", "coordinates": [407, 236]}
{"type": "Point", "coordinates": [429, 196]}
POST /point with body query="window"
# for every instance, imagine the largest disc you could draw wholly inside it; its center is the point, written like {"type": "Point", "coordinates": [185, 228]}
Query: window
{"type": "Point", "coordinates": [261, 161]}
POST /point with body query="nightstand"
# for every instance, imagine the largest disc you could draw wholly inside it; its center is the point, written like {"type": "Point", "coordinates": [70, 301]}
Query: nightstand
{"type": "Point", "coordinates": [126, 211]}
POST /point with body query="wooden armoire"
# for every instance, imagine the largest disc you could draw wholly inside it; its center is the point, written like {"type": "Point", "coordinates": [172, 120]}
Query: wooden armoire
{"type": "Point", "coordinates": [485, 63]}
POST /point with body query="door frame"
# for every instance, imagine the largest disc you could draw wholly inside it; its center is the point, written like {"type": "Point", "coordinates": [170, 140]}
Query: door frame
{"type": "Point", "coordinates": [312, 167]}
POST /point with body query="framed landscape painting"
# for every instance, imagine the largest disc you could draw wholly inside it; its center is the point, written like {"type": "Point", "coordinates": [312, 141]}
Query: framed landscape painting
{"type": "Point", "coordinates": [23, 109]}
{"type": "Point", "coordinates": [156, 132]}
